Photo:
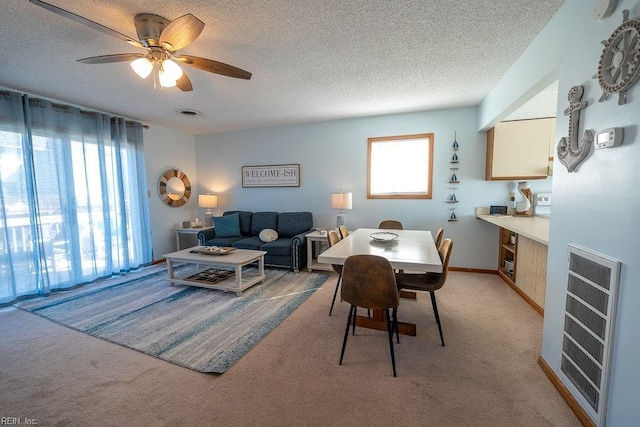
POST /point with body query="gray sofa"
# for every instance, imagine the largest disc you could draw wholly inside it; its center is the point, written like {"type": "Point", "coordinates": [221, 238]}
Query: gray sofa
{"type": "Point", "coordinates": [288, 251]}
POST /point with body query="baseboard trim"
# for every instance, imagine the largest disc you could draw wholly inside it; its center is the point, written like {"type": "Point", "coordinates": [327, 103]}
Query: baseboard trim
{"type": "Point", "coordinates": [159, 261]}
{"type": "Point", "coordinates": [519, 291]}
{"type": "Point", "coordinates": [566, 395]}
{"type": "Point", "coordinates": [473, 270]}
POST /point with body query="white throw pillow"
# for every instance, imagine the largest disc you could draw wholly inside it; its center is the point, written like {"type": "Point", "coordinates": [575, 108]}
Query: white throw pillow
{"type": "Point", "coordinates": [268, 235]}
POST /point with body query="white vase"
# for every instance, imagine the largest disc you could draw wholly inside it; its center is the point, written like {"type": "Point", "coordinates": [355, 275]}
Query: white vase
{"type": "Point", "coordinates": [524, 205]}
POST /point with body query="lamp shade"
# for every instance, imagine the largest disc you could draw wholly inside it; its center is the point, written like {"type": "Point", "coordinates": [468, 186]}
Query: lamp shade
{"type": "Point", "coordinates": [142, 67]}
{"type": "Point", "coordinates": [166, 80]}
{"type": "Point", "coordinates": [207, 201]}
{"type": "Point", "coordinates": [171, 69]}
{"type": "Point", "coordinates": [341, 200]}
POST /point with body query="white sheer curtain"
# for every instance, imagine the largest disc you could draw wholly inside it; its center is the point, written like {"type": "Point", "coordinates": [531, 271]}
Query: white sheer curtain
{"type": "Point", "coordinates": [73, 197]}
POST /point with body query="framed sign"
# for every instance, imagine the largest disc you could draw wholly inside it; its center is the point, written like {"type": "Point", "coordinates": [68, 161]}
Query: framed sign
{"type": "Point", "coordinates": [271, 176]}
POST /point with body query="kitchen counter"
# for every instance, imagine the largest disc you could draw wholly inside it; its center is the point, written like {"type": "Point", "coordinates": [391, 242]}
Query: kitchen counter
{"type": "Point", "coordinates": [523, 265]}
{"type": "Point", "coordinates": [535, 228]}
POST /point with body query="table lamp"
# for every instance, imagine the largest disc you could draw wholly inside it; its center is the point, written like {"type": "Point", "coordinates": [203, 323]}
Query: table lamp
{"type": "Point", "coordinates": [208, 201]}
{"type": "Point", "coordinates": [341, 201]}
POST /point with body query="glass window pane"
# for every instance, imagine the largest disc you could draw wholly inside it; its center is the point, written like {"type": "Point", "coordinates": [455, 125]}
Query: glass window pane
{"type": "Point", "coordinates": [400, 167]}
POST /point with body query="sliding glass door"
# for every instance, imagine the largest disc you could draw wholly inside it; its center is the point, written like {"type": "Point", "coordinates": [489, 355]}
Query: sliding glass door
{"type": "Point", "coordinates": [73, 197]}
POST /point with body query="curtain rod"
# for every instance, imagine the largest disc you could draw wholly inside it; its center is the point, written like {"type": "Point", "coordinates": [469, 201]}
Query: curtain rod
{"type": "Point", "coordinates": [56, 104]}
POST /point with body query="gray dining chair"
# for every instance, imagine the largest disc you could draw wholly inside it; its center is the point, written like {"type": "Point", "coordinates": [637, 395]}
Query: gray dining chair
{"type": "Point", "coordinates": [429, 282]}
{"type": "Point", "coordinates": [344, 231]}
{"type": "Point", "coordinates": [390, 224]}
{"type": "Point", "coordinates": [368, 281]}
{"type": "Point", "coordinates": [332, 239]}
{"type": "Point", "coordinates": [438, 237]}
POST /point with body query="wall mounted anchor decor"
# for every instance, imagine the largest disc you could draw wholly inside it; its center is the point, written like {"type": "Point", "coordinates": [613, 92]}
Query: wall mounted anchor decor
{"type": "Point", "coordinates": [571, 152]}
{"type": "Point", "coordinates": [620, 60]}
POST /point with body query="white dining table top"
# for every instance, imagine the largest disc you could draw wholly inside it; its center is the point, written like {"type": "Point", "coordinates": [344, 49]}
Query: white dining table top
{"type": "Point", "coordinates": [413, 249]}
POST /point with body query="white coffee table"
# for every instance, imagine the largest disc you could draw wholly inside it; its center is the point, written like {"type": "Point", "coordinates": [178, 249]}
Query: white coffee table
{"type": "Point", "coordinates": [235, 260]}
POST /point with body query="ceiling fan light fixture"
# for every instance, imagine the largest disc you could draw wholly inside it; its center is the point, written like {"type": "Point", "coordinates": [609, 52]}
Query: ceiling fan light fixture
{"type": "Point", "coordinates": [171, 69]}
{"type": "Point", "coordinates": [142, 67]}
{"type": "Point", "coordinates": [166, 80]}
{"type": "Point", "coordinates": [162, 39]}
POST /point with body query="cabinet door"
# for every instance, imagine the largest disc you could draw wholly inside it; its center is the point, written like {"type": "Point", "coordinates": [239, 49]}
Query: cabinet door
{"type": "Point", "coordinates": [531, 266]}
{"type": "Point", "coordinates": [519, 149]}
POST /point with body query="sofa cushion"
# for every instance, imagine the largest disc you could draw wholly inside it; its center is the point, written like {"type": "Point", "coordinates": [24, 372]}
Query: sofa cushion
{"type": "Point", "coordinates": [280, 247]}
{"type": "Point", "coordinates": [227, 225]}
{"type": "Point", "coordinates": [262, 220]}
{"type": "Point", "coordinates": [253, 243]}
{"type": "Point", "coordinates": [268, 235]}
{"type": "Point", "coordinates": [245, 221]}
{"type": "Point", "coordinates": [292, 223]}
{"type": "Point", "coordinates": [222, 241]}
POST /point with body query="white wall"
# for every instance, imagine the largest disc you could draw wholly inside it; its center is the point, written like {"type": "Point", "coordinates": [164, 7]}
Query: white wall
{"type": "Point", "coordinates": [168, 149]}
{"type": "Point", "coordinates": [596, 206]}
{"type": "Point", "coordinates": [333, 157]}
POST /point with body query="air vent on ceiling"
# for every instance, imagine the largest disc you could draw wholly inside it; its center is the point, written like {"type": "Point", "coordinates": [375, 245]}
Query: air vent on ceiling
{"type": "Point", "coordinates": [592, 287]}
{"type": "Point", "coordinates": [189, 113]}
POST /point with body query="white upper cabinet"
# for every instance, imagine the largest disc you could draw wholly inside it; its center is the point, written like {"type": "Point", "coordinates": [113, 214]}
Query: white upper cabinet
{"type": "Point", "coordinates": [520, 149]}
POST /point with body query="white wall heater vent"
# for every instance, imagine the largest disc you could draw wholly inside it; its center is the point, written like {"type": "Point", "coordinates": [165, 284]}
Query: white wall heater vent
{"type": "Point", "coordinates": [592, 287]}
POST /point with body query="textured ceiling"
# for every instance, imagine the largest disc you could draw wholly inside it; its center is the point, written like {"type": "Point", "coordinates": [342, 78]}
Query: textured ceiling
{"type": "Point", "coordinates": [544, 104]}
{"type": "Point", "coordinates": [312, 60]}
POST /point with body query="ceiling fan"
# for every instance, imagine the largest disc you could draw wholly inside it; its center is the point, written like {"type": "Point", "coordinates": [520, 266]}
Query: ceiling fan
{"type": "Point", "coordinates": [162, 39]}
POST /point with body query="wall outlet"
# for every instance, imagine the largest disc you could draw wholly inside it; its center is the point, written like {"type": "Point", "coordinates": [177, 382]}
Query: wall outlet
{"type": "Point", "coordinates": [543, 199]}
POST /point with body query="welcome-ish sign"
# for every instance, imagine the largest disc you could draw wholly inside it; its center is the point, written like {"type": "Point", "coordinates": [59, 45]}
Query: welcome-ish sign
{"type": "Point", "coordinates": [271, 176]}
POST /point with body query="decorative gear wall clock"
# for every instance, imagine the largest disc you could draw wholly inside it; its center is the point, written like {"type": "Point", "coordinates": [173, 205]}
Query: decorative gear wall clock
{"type": "Point", "coordinates": [620, 60]}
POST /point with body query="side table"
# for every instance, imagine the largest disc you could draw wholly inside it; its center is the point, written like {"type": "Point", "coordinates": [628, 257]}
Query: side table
{"type": "Point", "coordinates": [316, 243]}
{"type": "Point", "coordinates": [188, 237]}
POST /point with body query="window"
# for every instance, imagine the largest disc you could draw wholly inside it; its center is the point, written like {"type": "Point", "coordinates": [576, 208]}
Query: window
{"type": "Point", "coordinates": [400, 167]}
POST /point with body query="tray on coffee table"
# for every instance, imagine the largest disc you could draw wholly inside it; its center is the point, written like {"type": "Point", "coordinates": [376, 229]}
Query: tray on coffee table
{"type": "Point", "coordinates": [213, 250]}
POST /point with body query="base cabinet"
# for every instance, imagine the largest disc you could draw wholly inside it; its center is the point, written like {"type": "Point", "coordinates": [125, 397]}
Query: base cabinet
{"type": "Point", "coordinates": [523, 266]}
{"type": "Point", "coordinates": [532, 269]}
{"type": "Point", "coordinates": [507, 257]}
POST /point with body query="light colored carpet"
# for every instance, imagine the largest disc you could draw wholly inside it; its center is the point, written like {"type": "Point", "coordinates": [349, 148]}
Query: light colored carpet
{"type": "Point", "coordinates": [487, 375]}
{"type": "Point", "coordinates": [200, 329]}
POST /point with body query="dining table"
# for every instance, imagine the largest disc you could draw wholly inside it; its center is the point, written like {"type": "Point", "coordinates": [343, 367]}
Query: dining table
{"type": "Point", "coordinates": [408, 250]}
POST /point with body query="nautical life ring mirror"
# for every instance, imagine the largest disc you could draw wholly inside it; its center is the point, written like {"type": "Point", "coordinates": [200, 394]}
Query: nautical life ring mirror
{"type": "Point", "coordinates": [174, 188]}
{"type": "Point", "coordinates": [620, 60]}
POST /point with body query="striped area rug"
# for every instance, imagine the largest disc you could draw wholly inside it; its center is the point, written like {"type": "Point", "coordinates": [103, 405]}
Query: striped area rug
{"type": "Point", "coordinates": [201, 329]}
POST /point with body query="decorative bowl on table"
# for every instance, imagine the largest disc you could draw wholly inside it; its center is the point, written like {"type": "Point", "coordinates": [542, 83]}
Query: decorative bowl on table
{"type": "Point", "coordinates": [214, 250]}
{"type": "Point", "coordinates": [383, 236]}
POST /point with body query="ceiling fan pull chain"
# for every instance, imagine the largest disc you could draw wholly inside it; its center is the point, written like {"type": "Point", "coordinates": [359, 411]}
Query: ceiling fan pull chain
{"type": "Point", "coordinates": [156, 71]}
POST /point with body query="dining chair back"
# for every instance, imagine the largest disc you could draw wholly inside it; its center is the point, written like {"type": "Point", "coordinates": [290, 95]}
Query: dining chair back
{"type": "Point", "coordinates": [332, 239]}
{"type": "Point", "coordinates": [438, 237]}
{"type": "Point", "coordinates": [344, 232]}
{"type": "Point", "coordinates": [429, 282]}
{"type": "Point", "coordinates": [368, 281]}
{"type": "Point", "coordinates": [390, 224]}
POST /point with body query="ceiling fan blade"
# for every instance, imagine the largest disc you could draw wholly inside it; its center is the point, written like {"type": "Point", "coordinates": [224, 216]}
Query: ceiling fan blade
{"type": "Point", "coordinates": [214, 66]}
{"type": "Point", "coordinates": [180, 32]}
{"type": "Point", "coordinates": [119, 57]}
{"type": "Point", "coordinates": [87, 22]}
{"type": "Point", "coordinates": [183, 83]}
